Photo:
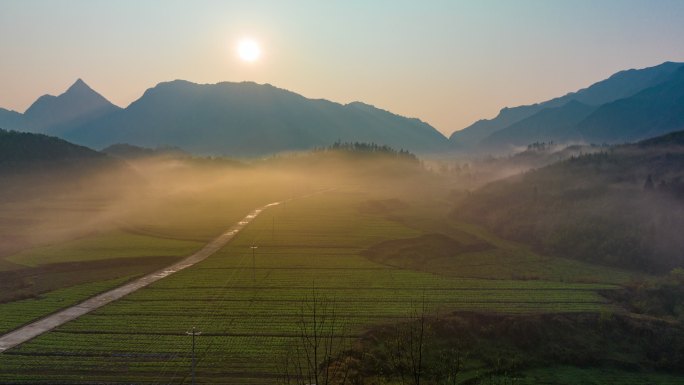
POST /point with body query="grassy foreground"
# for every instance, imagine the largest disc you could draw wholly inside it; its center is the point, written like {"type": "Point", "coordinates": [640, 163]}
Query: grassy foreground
{"type": "Point", "coordinates": [249, 309]}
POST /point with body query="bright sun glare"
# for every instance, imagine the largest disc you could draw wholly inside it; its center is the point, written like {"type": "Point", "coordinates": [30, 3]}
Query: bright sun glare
{"type": "Point", "coordinates": [249, 50]}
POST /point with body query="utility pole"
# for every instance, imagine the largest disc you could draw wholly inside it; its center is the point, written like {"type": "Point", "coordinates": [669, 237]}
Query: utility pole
{"type": "Point", "coordinates": [193, 333]}
{"type": "Point", "coordinates": [253, 247]}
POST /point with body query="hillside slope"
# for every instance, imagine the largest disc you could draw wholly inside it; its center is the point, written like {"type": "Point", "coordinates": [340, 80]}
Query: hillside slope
{"type": "Point", "coordinates": [622, 207]}
{"type": "Point", "coordinates": [552, 124]}
{"type": "Point", "coordinates": [621, 85]}
{"type": "Point", "coordinates": [651, 112]}
{"type": "Point", "coordinates": [10, 120]}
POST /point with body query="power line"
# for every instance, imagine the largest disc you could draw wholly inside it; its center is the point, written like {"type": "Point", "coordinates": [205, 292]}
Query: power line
{"type": "Point", "coordinates": [193, 333]}
{"type": "Point", "coordinates": [253, 247]}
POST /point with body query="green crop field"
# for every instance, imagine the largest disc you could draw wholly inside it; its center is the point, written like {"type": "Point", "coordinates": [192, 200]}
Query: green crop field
{"type": "Point", "coordinates": [249, 308]}
{"type": "Point", "coordinates": [500, 259]}
{"type": "Point", "coordinates": [115, 244]}
{"type": "Point", "coordinates": [57, 276]}
{"type": "Point", "coordinates": [17, 313]}
{"type": "Point", "coordinates": [148, 235]}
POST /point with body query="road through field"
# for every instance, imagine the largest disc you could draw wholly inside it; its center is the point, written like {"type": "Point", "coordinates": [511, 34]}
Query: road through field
{"type": "Point", "coordinates": [32, 330]}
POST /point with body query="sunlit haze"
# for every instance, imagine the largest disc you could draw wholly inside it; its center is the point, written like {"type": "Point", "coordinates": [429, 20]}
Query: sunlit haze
{"type": "Point", "coordinates": [249, 50]}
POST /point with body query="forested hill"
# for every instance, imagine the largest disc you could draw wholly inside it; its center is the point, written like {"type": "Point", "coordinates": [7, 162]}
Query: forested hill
{"type": "Point", "coordinates": [26, 147]}
{"type": "Point", "coordinates": [623, 206]}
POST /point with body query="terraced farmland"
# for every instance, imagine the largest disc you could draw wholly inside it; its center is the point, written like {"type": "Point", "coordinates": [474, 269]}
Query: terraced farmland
{"type": "Point", "coordinates": [248, 306]}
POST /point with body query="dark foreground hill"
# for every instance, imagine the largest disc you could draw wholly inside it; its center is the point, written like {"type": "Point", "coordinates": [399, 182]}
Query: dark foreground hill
{"type": "Point", "coordinates": [27, 148]}
{"type": "Point", "coordinates": [37, 164]}
{"type": "Point", "coordinates": [623, 206]}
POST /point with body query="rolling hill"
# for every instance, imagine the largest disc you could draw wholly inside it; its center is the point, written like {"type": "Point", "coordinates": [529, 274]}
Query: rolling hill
{"type": "Point", "coordinates": [26, 148]}
{"type": "Point", "coordinates": [623, 206]}
{"type": "Point", "coordinates": [37, 167]}
{"type": "Point", "coordinates": [34, 164]}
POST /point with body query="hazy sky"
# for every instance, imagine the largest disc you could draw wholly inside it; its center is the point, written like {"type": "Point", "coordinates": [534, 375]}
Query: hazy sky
{"type": "Point", "coordinates": [446, 62]}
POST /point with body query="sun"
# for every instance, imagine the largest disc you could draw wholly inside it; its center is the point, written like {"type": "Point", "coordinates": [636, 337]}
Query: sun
{"type": "Point", "coordinates": [248, 50]}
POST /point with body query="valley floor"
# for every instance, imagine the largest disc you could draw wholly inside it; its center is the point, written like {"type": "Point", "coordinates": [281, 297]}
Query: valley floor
{"type": "Point", "coordinates": [249, 307]}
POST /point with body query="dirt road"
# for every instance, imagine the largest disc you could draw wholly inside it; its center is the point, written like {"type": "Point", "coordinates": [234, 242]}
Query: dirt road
{"type": "Point", "coordinates": [32, 330]}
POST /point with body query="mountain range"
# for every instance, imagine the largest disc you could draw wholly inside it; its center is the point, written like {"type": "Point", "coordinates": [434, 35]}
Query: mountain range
{"type": "Point", "coordinates": [237, 119]}
{"type": "Point", "coordinates": [628, 106]}
{"type": "Point", "coordinates": [248, 119]}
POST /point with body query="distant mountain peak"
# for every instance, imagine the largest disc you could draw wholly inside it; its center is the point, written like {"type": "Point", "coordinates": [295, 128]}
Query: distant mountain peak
{"type": "Point", "coordinates": [79, 85]}
{"type": "Point", "coordinates": [78, 104]}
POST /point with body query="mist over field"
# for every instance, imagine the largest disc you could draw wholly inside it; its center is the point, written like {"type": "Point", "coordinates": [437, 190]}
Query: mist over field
{"type": "Point", "coordinates": [381, 242]}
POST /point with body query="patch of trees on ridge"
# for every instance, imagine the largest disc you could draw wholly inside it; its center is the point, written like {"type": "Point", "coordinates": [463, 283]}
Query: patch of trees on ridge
{"type": "Point", "coordinates": [372, 148]}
